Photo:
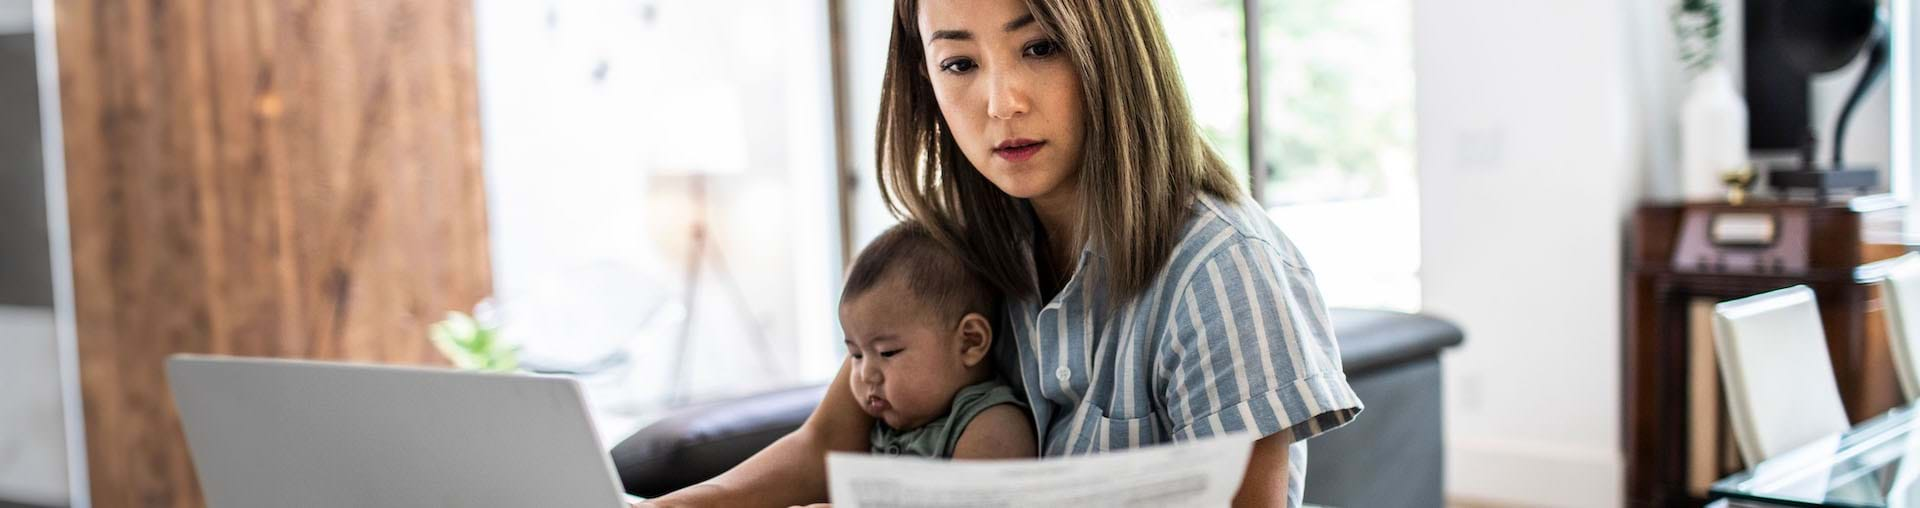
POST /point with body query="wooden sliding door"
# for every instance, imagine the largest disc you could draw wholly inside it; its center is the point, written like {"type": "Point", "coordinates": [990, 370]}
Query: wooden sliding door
{"type": "Point", "coordinates": [264, 178]}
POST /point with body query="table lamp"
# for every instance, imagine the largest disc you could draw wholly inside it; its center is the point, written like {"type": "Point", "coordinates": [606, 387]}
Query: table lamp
{"type": "Point", "coordinates": [698, 132]}
{"type": "Point", "coordinates": [1817, 37]}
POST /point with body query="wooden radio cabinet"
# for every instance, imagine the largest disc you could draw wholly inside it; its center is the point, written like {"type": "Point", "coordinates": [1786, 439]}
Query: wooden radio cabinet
{"type": "Point", "coordinates": [1683, 257]}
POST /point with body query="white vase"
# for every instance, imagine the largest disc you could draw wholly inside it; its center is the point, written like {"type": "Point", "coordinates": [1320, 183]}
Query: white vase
{"type": "Point", "coordinates": [1713, 135]}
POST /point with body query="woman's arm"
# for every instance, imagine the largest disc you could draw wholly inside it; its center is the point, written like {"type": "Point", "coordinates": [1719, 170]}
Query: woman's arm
{"type": "Point", "coordinates": [793, 470]}
{"type": "Point", "coordinates": [1266, 480]}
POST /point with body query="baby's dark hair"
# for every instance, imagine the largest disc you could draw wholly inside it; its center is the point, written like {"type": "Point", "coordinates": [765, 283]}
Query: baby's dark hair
{"type": "Point", "coordinates": [933, 273]}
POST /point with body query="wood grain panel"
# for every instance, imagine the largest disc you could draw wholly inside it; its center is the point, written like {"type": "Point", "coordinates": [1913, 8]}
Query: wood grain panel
{"type": "Point", "coordinates": [262, 178]}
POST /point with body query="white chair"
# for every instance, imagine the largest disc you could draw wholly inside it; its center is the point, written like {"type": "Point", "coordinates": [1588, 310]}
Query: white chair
{"type": "Point", "coordinates": [1902, 291]}
{"type": "Point", "coordinates": [1781, 392]}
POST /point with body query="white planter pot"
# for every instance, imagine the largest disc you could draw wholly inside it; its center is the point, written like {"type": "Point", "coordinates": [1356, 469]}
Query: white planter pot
{"type": "Point", "coordinates": [1713, 135]}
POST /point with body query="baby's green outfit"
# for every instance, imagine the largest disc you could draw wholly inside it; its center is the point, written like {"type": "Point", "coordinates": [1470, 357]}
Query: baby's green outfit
{"type": "Point", "coordinates": [938, 437]}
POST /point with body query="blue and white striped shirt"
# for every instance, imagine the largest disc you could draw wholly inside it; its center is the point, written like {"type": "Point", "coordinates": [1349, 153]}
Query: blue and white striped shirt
{"type": "Point", "coordinates": [1230, 337]}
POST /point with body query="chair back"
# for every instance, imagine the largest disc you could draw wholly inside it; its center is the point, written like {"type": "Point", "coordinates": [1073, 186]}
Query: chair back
{"type": "Point", "coordinates": [1902, 291]}
{"type": "Point", "coordinates": [1781, 392]}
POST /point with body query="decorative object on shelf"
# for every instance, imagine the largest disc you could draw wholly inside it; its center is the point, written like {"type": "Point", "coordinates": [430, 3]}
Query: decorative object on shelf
{"type": "Point", "coordinates": [1738, 182]}
{"type": "Point", "coordinates": [1818, 37]}
{"type": "Point", "coordinates": [1713, 119]}
{"type": "Point", "coordinates": [472, 345]}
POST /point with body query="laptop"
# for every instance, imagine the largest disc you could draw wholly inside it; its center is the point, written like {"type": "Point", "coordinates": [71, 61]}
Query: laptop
{"type": "Point", "coordinates": [266, 432]}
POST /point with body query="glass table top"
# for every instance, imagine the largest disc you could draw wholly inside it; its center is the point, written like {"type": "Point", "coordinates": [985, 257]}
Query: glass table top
{"type": "Point", "coordinates": [1865, 467]}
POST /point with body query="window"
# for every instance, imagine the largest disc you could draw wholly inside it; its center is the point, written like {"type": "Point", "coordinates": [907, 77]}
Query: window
{"type": "Point", "coordinates": [1337, 116]}
{"type": "Point", "coordinates": [1335, 109]}
{"type": "Point", "coordinates": [1338, 97]}
{"type": "Point", "coordinates": [1209, 41]}
{"type": "Point", "coordinates": [607, 188]}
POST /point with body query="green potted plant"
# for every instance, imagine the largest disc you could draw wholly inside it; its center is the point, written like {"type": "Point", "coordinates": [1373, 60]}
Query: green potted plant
{"type": "Point", "coordinates": [1696, 29]}
{"type": "Point", "coordinates": [473, 345]}
{"type": "Point", "coordinates": [1713, 116]}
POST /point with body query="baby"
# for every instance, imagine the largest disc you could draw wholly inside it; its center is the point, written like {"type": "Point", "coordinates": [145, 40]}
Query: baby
{"type": "Point", "coordinates": [919, 340]}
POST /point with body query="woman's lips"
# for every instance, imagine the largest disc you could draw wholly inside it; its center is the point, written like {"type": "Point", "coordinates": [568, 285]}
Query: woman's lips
{"type": "Point", "coordinates": [1019, 153]}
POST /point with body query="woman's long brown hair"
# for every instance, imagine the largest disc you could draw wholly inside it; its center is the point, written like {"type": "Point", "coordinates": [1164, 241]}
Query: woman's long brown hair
{"type": "Point", "coordinates": [1143, 159]}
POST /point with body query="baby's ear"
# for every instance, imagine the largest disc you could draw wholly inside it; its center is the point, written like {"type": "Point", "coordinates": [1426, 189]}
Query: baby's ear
{"type": "Point", "coordinates": [975, 336]}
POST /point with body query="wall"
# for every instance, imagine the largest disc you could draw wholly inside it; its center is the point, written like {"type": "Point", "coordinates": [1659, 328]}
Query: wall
{"type": "Point", "coordinates": [16, 17]}
{"type": "Point", "coordinates": [283, 180]}
{"type": "Point", "coordinates": [1528, 161]}
{"type": "Point", "coordinates": [32, 451]}
{"type": "Point", "coordinates": [33, 460]}
{"type": "Point", "coordinates": [24, 266]}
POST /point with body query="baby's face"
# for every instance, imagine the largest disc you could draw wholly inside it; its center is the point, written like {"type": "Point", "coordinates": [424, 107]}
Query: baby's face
{"type": "Point", "coordinates": [907, 365]}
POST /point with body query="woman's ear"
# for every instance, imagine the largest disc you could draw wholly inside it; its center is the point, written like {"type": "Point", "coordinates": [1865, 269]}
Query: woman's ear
{"type": "Point", "coordinates": [975, 336]}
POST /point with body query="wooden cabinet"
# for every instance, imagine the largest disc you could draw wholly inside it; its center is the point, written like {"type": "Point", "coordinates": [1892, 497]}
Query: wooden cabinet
{"type": "Point", "coordinates": [1682, 254]}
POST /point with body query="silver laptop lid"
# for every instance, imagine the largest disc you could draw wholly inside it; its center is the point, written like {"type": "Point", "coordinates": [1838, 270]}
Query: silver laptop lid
{"type": "Point", "coordinates": [297, 433]}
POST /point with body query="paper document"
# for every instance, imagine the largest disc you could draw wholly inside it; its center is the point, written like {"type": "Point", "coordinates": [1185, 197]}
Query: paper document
{"type": "Point", "coordinates": [1197, 473]}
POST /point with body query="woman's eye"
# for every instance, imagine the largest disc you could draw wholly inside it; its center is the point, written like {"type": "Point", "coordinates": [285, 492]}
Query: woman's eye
{"type": "Point", "coordinates": [1042, 49]}
{"type": "Point", "coordinates": [889, 354]}
{"type": "Point", "coordinates": [856, 356]}
{"type": "Point", "coordinates": [957, 65]}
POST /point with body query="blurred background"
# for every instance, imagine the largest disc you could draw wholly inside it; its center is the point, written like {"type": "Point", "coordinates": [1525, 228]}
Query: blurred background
{"type": "Point", "coordinates": [659, 196]}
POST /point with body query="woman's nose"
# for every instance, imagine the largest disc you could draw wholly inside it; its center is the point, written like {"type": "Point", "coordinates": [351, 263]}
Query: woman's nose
{"type": "Point", "coordinates": [1007, 96]}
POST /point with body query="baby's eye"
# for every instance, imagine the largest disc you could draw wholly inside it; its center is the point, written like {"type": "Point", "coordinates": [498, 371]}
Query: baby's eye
{"type": "Point", "coordinates": [856, 356]}
{"type": "Point", "coordinates": [889, 354]}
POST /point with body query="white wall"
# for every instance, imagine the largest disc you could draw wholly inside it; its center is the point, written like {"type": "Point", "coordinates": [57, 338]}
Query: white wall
{"type": "Point", "coordinates": [33, 426]}
{"type": "Point", "coordinates": [16, 17]}
{"type": "Point", "coordinates": [1529, 158]}
{"type": "Point", "coordinates": [33, 461]}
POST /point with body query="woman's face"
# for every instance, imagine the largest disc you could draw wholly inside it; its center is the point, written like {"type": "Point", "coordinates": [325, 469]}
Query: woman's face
{"type": "Point", "coordinates": [1008, 92]}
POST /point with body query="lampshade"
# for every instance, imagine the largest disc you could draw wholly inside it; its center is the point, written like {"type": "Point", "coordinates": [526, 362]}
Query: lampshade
{"type": "Point", "coordinates": [695, 127]}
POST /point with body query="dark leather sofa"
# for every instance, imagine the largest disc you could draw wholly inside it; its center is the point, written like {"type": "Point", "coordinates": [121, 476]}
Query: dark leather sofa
{"type": "Point", "coordinates": [1392, 455]}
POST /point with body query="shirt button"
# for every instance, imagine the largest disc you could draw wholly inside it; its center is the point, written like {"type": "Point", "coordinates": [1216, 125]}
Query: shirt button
{"type": "Point", "coordinates": [1063, 374]}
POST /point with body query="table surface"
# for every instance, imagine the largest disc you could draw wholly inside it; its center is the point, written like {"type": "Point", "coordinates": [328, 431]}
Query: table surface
{"type": "Point", "coordinates": [1875, 464]}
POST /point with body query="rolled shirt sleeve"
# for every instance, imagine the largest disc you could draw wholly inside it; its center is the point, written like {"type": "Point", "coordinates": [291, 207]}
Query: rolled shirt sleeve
{"type": "Point", "coordinates": [1249, 348]}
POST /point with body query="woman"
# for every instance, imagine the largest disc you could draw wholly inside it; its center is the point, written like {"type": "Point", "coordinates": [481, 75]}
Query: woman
{"type": "Point", "coordinates": [1148, 299]}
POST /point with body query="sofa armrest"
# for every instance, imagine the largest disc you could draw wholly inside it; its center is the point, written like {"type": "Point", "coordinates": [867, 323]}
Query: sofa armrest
{"type": "Point", "coordinates": [701, 441]}
{"type": "Point", "coordinates": [1379, 339]}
